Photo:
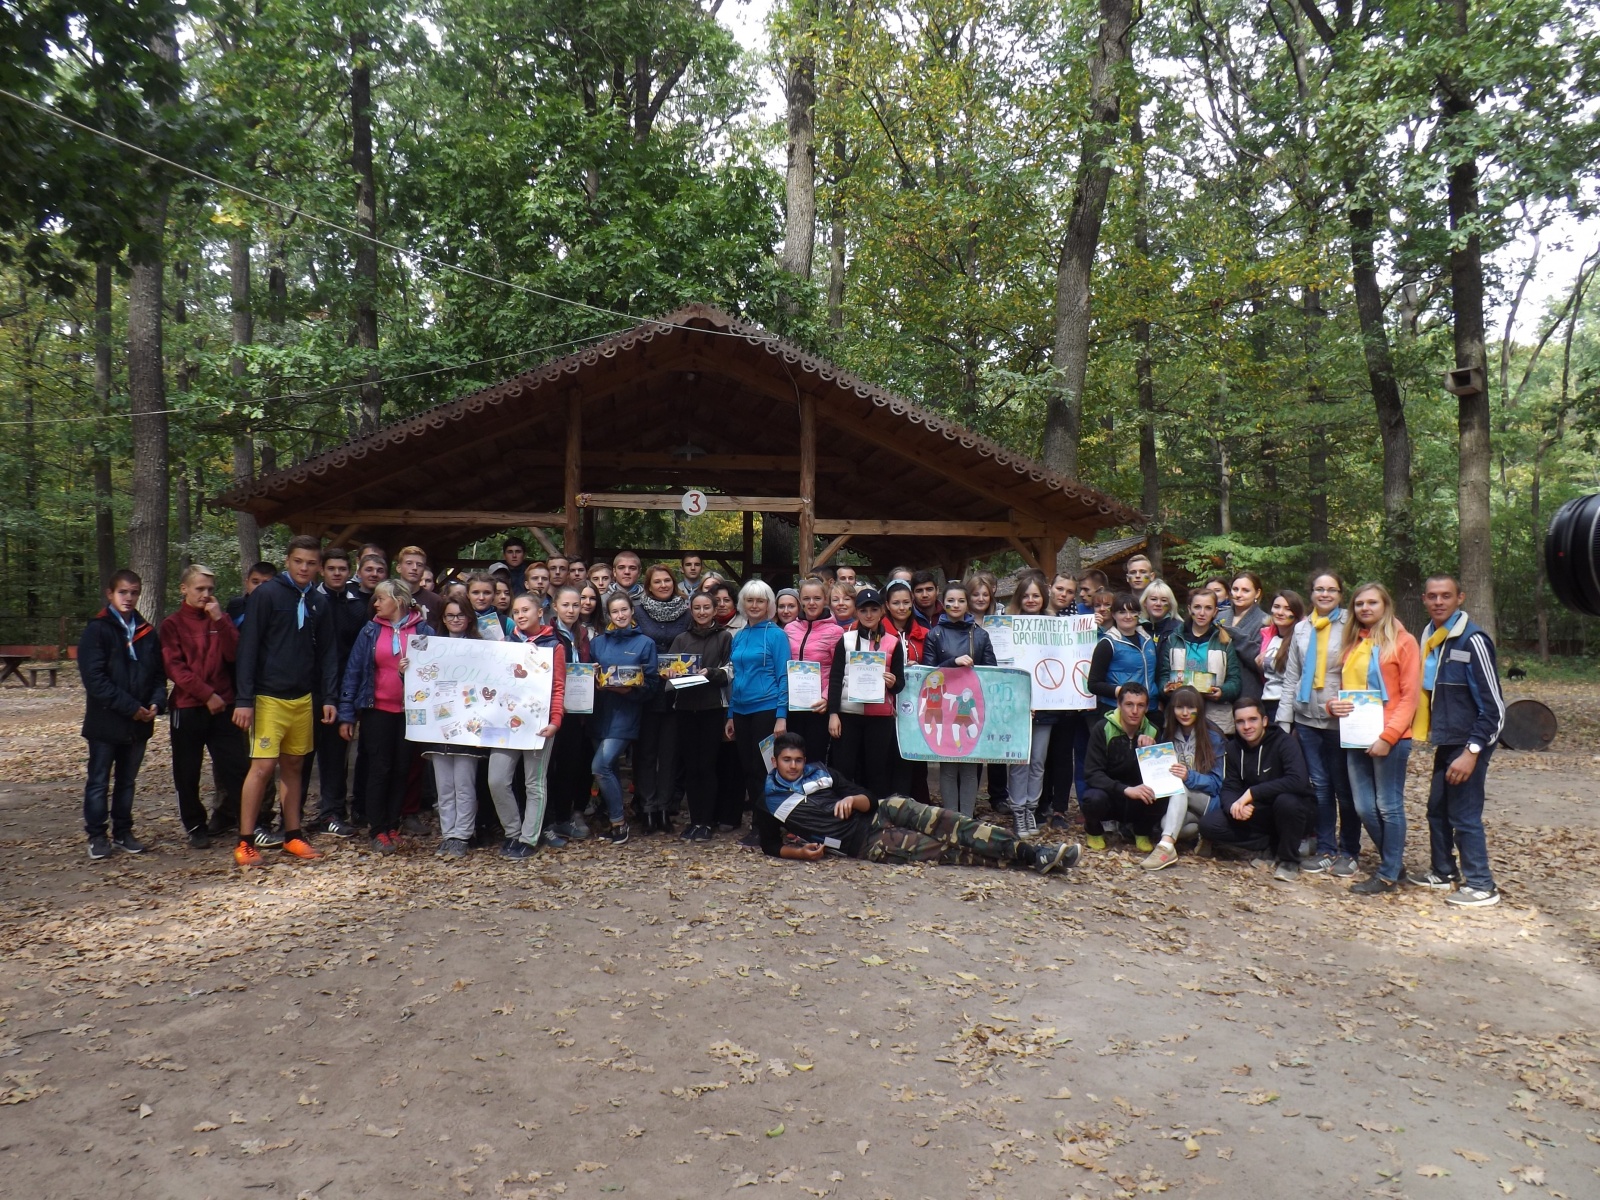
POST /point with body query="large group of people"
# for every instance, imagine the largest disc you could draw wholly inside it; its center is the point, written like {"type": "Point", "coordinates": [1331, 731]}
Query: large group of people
{"type": "Point", "coordinates": [1250, 692]}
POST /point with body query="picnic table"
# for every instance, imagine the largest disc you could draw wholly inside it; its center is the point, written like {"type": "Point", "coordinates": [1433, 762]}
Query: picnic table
{"type": "Point", "coordinates": [13, 658]}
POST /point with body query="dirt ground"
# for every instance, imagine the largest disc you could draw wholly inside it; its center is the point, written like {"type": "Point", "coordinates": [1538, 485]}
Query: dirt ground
{"type": "Point", "coordinates": [664, 1021]}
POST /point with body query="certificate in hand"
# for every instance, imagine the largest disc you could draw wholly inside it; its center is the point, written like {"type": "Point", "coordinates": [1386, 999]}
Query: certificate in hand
{"type": "Point", "coordinates": [1362, 727]}
{"type": "Point", "coordinates": [1155, 769]}
{"type": "Point", "coordinates": [805, 685]}
{"type": "Point", "coordinates": [579, 696]}
{"type": "Point", "coordinates": [863, 676]}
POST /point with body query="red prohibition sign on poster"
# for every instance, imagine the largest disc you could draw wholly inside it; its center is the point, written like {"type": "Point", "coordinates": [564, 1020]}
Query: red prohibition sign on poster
{"type": "Point", "coordinates": [1050, 673]}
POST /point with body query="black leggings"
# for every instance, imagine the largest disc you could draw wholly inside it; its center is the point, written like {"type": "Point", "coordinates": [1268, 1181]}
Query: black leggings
{"type": "Point", "coordinates": [388, 755]}
{"type": "Point", "coordinates": [868, 751]}
{"type": "Point", "coordinates": [749, 731]}
{"type": "Point", "coordinates": [699, 746]}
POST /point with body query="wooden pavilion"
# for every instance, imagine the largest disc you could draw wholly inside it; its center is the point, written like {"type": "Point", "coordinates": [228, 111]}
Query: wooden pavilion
{"type": "Point", "coordinates": [694, 399]}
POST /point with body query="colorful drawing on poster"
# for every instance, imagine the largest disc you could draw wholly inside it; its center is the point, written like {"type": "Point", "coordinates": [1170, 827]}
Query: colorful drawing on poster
{"type": "Point", "coordinates": [964, 714]}
{"type": "Point", "coordinates": [473, 695]}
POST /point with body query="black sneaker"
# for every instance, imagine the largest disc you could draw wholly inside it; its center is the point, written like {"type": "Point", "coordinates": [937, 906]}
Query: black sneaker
{"type": "Point", "coordinates": [1431, 880]}
{"type": "Point", "coordinates": [700, 833]}
{"type": "Point", "coordinates": [414, 825]}
{"type": "Point", "coordinates": [1055, 858]}
{"type": "Point", "coordinates": [99, 846]}
{"type": "Point", "coordinates": [519, 851]}
{"type": "Point", "coordinates": [266, 838]}
{"type": "Point", "coordinates": [128, 844]}
{"type": "Point", "coordinates": [1316, 864]}
{"type": "Point", "coordinates": [1377, 885]}
{"type": "Point", "coordinates": [619, 833]}
{"type": "Point", "coordinates": [339, 828]}
{"type": "Point", "coordinates": [199, 839]}
{"type": "Point", "coordinates": [1469, 897]}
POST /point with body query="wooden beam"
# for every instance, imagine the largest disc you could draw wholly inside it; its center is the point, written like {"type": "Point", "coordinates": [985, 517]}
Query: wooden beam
{"type": "Point", "coordinates": [424, 516]}
{"type": "Point", "coordinates": [747, 542]}
{"type": "Point", "coordinates": [574, 468]}
{"type": "Point", "coordinates": [543, 539]}
{"type": "Point", "coordinates": [670, 501]}
{"type": "Point", "coordinates": [808, 482]}
{"type": "Point", "coordinates": [339, 538]}
{"type": "Point", "coordinates": [1028, 556]}
{"type": "Point", "coordinates": [941, 529]}
{"type": "Point", "coordinates": [831, 549]}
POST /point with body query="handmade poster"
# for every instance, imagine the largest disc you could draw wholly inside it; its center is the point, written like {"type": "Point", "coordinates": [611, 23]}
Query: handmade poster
{"type": "Point", "coordinates": [767, 756]}
{"type": "Point", "coordinates": [579, 696]}
{"type": "Point", "coordinates": [965, 714]}
{"type": "Point", "coordinates": [462, 692]}
{"type": "Point", "coordinates": [628, 677]}
{"type": "Point", "coordinates": [805, 685]}
{"type": "Point", "coordinates": [1362, 727]}
{"type": "Point", "coordinates": [863, 676]}
{"type": "Point", "coordinates": [1155, 769]}
{"type": "Point", "coordinates": [676, 666]}
{"type": "Point", "coordinates": [1054, 651]}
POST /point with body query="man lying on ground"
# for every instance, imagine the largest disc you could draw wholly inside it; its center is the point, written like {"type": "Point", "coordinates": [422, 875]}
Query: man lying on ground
{"type": "Point", "coordinates": [829, 814]}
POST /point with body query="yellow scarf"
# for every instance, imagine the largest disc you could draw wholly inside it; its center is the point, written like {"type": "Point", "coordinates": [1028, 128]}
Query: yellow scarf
{"type": "Point", "coordinates": [1430, 646]}
{"type": "Point", "coordinates": [1319, 651]}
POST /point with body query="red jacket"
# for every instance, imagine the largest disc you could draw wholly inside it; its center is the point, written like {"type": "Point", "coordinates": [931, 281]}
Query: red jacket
{"type": "Point", "coordinates": [199, 654]}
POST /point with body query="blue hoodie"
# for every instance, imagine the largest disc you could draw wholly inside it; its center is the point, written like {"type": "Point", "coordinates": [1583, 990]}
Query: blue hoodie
{"type": "Point", "coordinates": [617, 714]}
{"type": "Point", "coordinates": [760, 671]}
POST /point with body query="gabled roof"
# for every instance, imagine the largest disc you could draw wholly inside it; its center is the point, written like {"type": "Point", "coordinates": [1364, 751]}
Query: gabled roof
{"type": "Point", "coordinates": [695, 379]}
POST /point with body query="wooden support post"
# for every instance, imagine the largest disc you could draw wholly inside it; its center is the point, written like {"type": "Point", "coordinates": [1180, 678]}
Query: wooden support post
{"type": "Point", "coordinates": [748, 543]}
{"type": "Point", "coordinates": [1028, 555]}
{"type": "Point", "coordinates": [830, 550]}
{"type": "Point", "coordinates": [808, 482]}
{"type": "Point", "coordinates": [543, 539]}
{"type": "Point", "coordinates": [571, 540]}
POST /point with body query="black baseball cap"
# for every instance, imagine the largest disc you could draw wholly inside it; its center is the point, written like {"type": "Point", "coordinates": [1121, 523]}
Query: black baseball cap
{"type": "Point", "coordinates": [869, 595]}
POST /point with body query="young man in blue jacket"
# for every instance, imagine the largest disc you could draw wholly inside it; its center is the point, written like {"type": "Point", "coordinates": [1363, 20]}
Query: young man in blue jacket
{"type": "Point", "coordinates": [287, 671]}
{"type": "Point", "coordinates": [1460, 713]}
{"type": "Point", "coordinates": [125, 690]}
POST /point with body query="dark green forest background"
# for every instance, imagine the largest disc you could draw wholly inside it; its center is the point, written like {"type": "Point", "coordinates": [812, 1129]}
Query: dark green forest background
{"type": "Point", "coordinates": [1214, 258]}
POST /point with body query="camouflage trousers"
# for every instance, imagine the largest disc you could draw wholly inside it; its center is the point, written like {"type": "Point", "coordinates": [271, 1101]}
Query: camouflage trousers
{"type": "Point", "coordinates": [904, 831]}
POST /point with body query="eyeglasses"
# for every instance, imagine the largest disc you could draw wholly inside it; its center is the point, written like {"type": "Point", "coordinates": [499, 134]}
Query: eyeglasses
{"type": "Point", "coordinates": [1325, 591]}
{"type": "Point", "coordinates": [455, 616]}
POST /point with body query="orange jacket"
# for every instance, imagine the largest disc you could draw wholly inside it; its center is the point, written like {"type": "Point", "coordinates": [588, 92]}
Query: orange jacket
{"type": "Point", "coordinates": [1402, 678]}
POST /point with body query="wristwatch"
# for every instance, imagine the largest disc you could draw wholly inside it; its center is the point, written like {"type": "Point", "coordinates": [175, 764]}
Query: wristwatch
{"type": "Point", "coordinates": [1474, 748]}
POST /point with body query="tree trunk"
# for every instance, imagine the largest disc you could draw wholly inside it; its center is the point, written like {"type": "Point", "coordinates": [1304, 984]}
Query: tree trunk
{"type": "Point", "coordinates": [1473, 449]}
{"type": "Point", "coordinates": [366, 254]}
{"type": "Point", "coordinates": [800, 181]}
{"type": "Point", "coordinates": [182, 502]}
{"type": "Point", "coordinates": [30, 461]}
{"type": "Point", "coordinates": [836, 238]}
{"type": "Point", "coordinates": [1398, 524]}
{"type": "Point", "coordinates": [147, 402]}
{"type": "Point", "coordinates": [1317, 461]}
{"type": "Point", "coordinates": [1144, 370]}
{"type": "Point", "coordinates": [105, 529]}
{"type": "Point", "coordinates": [244, 333]}
{"type": "Point", "coordinates": [1075, 266]}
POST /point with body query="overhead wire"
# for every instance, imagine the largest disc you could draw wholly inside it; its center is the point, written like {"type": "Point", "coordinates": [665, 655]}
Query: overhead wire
{"type": "Point", "coordinates": [294, 210]}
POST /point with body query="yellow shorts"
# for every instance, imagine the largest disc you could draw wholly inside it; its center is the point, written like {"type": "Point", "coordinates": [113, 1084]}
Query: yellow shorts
{"type": "Point", "coordinates": [281, 727]}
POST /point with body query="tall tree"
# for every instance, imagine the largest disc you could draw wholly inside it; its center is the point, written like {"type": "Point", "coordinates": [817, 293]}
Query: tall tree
{"type": "Point", "coordinates": [1075, 262]}
{"type": "Point", "coordinates": [242, 333]}
{"type": "Point", "coordinates": [366, 248]}
{"type": "Point", "coordinates": [105, 532]}
{"type": "Point", "coordinates": [800, 172]}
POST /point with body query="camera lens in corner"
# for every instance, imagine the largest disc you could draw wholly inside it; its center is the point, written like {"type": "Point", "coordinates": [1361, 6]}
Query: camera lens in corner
{"type": "Point", "coordinates": [1572, 555]}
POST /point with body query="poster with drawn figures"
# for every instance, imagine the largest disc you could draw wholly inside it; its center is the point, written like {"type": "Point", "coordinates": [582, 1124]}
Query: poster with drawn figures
{"type": "Point", "coordinates": [1055, 651]}
{"type": "Point", "coordinates": [964, 714]}
{"type": "Point", "coordinates": [463, 692]}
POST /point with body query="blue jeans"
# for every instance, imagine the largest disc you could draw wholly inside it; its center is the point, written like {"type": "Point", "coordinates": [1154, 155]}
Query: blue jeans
{"type": "Point", "coordinates": [1330, 783]}
{"type": "Point", "coordinates": [104, 757]}
{"type": "Point", "coordinates": [1379, 788]}
{"type": "Point", "coordinates": [1455, 820]}
{"type": "Point", "coordinates": [604, 766]}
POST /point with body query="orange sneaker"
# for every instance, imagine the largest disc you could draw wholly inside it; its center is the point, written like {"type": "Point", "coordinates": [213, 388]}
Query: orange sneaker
{"type": "Point", "coordinates": [300, 848]}
{"type": "Point", "coordinates": [246, 855]}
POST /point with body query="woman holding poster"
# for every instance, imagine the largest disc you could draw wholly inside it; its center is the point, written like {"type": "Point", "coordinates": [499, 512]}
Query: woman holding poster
{"type": "Point", "coordinates": [1380, 657]}
{"type": "Point", "coordinates": [522, 830]}
{"type": "Point", "coordinates": [865, 746]}
{"type": "Point", "coordinates": [813, 638]}
{"type": "Point", "coordinates": [1026, 781]}
{"type": "Point", "coordinates": [455, 768]}
{"type": "Point", "coordinates": [1198, 748]}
